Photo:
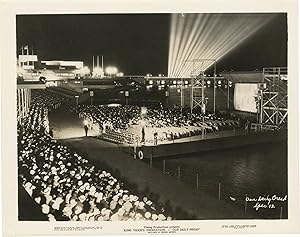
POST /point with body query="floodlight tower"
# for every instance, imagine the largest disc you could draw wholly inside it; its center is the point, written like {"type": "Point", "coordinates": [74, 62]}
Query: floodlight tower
{"type": "Point", "coordinates": [198, 82]}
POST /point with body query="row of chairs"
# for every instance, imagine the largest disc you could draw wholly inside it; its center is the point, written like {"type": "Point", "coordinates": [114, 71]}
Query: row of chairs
{"type": "Point", "coordinates": [117, 137]}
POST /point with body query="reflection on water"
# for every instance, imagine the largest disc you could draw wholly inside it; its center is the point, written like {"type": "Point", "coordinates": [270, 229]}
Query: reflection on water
{"type": "Point", "coordinates": [253, 171]}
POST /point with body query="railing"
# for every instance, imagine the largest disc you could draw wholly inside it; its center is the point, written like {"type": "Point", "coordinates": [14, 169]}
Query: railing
{"type": "Point", "coordinates": [275, 71]}
{"type": "Point", "coordinates": [219, 189]}
{"type": "Point", "coordinates": [264, 127]}
{"type": "Point", "coordinates": [117, 137]}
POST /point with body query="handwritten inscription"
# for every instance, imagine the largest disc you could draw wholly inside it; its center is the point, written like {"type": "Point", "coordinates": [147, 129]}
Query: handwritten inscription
{"type": "Point", "coordinates": [266, 202]}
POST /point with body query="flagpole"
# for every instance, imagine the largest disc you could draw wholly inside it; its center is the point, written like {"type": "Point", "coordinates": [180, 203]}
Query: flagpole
{"type": "Point", "coordinates": [27, 54]}
{"type": "Point", "coordinates": [32, 54]}
{"type": "Point", "coordinates": [22, 54]}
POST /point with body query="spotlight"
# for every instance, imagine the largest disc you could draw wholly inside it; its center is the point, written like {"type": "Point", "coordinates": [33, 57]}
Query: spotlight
{"type": "Point", "coordinates": [150, 82]}
{"type": "Point", "coordinates": [98, 70]}
{"type": "Point", "coordinates": [190, 35]}
{"type": "Point", "coordinates": [85, 70]}
{"type": "Point", "coordinates": [111, 70]}
{"type": "Point", "coordinates": [149, 87]}
{"type": "Point", "coordinates": [163, 82]}
{"type": "Point", "coordinates": [283, 78]}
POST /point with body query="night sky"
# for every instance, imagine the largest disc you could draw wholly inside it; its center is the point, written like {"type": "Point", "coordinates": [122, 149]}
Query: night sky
{"type": "Point", "coordinates": [138, 44]}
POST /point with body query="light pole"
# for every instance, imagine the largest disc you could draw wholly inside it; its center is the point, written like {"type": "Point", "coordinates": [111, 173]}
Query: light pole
{"type": "Point", "coordinates": [215, 74]}
{"type": "Point", "coordinates": [76, 98]}
{"type": "Point", "coordinates": [126, 97]}
{"type": "Point", "coordinates": [228, 94]}
{"type": "Point", "coordinates": [167, 97]}
{"type": "Point", "coordinates": [181, 96]}
{"type": "Point", "coordinates": [92, 96]}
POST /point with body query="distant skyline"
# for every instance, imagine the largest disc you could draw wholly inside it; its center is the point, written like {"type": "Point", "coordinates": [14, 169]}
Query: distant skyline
{"type": "Point", "coordinates": [138, 44]}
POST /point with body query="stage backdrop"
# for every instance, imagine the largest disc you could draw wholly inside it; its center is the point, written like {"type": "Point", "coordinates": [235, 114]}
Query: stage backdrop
{"type": "Point", "coordinates": [244, 97]}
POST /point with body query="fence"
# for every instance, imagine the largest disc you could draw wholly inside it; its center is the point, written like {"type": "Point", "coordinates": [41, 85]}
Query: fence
{"type": "Point", "coordinates": [117, 137]}
{"type": "Point", "coordinates": [220, 190]}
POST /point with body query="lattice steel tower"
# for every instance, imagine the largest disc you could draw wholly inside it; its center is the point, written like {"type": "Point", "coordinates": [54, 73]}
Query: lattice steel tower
{"type": "Point", "coordinates": [198, 82]}
{"type": "Point", "coordinates": [274, 97]}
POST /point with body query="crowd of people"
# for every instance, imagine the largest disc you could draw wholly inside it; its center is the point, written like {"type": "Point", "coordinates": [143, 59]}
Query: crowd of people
{"type": "Point", "coordinates": [114, 117]}
{"type": "Point", "coordinates": [48, 99]}
{"type": "Point", "coordinates": [65, 184]}
{"type": "Point", "coordinates": [167, 124]}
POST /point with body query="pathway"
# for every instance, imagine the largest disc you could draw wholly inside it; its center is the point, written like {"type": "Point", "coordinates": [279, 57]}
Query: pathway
{"type": "Point", "coordinates": [67, 125]}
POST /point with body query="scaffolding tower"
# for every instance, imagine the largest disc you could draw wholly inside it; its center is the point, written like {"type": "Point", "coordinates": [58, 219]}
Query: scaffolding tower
{"type": "Point", "coordinates": [274, 98]}
{"type": "Point", "coordinates": [197, 92]}
{"type": "Point", "coordinates": [197, 98]}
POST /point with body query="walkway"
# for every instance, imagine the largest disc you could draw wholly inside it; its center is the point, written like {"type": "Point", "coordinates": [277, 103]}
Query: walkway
{"type": "Point", "coordinates": [65, 124]}
{"type": "Point", "coordinates": [170, 191]}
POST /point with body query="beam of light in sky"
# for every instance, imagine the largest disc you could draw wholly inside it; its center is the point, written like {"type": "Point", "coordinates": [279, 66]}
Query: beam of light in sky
{"type": "Point", "coordinates": [208, 36]}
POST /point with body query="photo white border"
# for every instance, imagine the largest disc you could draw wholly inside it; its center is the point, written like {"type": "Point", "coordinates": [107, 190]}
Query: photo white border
{"type": "Point", "coordinates": [9, 10]}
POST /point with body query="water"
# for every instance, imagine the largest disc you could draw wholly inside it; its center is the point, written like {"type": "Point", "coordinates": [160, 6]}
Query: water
{"type": "Point", "coordinates": [253, 171]}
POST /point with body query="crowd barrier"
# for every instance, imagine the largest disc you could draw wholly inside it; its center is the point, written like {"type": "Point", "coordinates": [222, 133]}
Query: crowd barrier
{"type": "Point", "coordinates": [117, 137]}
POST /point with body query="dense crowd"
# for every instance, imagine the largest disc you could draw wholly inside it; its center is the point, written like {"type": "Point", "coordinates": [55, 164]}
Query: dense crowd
{"type": "Point", "coordinates": [117, 118]}
{"type": "Point", "coordinates": [166, 123]}
{"type": "Point", "coordinates": [64, 183]}
{"type": "Point", "coordinates": [48, 99]}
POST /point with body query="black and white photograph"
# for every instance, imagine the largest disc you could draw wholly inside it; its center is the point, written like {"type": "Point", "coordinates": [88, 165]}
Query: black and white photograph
{"type": "Point", "coordinates": [152, 117]}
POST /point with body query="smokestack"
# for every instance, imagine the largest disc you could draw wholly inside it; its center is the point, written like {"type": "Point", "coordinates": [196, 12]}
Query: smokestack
{"type": "Point", "coordinates": [93, 64]}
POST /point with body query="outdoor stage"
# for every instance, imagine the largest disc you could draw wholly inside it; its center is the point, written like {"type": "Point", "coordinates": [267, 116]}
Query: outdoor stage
{"type": "Point", "coordinates": [214, 141]}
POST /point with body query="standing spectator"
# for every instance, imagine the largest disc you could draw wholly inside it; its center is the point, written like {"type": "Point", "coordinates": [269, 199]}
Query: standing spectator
{"type": "Point", "coordinates": [51, 132]}
{"type": "Point", "coordinates": [143, 134]}
{"type": "Point", "coordinates": [86, 128]}
{"type": "Point", "coordinates": [155, 138]}
{"type": "Point", "coordinates": [247, 126]}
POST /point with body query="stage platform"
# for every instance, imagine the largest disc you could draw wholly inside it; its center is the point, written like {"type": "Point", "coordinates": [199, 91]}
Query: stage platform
{"type": "Point", "coordinates": [209, 143]}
